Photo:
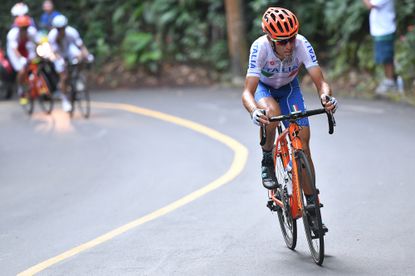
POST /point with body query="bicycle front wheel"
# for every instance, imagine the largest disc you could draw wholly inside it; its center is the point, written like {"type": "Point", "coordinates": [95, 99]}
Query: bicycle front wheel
{"type": "Point", "coordinates": [80, 97]}
{"type": "Point", "coordinates": [287, 223]}
{"type": "Point", "coordinates": [313, 225]}
{"type": "Point", "coordinates": [45, 96]}
{"type": "Point", "coordinates": [27, 102]}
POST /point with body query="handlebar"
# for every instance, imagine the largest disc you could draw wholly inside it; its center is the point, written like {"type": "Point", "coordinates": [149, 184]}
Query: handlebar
{"type": "Point", "coordinates": [298, 115]}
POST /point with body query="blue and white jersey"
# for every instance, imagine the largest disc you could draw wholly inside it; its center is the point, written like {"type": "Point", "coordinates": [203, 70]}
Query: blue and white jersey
{"type": "Point", "coordinates": [272, 71]}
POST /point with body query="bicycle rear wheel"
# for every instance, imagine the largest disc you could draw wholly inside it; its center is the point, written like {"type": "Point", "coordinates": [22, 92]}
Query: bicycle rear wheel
{"type": "Point", "coordinates": [45, 96]}
{"type": "Point", "coordinates": [313, 224]}
{"type": "Point", "coordinates": [80, 97]}
{"type": "Point", "coordinates": [287, 223]}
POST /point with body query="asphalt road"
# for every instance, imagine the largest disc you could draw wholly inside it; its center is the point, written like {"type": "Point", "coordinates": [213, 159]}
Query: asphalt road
{"type": "Point", "coordinates": [64, 183]}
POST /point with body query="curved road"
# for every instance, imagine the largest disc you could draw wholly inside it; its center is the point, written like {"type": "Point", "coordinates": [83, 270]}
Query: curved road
{"type": "Point", "coordinates": [65, 183]}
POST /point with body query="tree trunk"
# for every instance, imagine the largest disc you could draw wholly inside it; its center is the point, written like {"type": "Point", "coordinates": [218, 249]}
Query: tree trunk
{"type": "Point", "coordinates": [237, 45]}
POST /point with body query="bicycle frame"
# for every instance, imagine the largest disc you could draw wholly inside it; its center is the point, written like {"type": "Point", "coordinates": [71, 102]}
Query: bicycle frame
{"type": "Point", "coordinates": [295, 142]}
{"type": "Point", "coordinates": [33, 80]}
{"type": "Point", "coordinates": [281, 149]}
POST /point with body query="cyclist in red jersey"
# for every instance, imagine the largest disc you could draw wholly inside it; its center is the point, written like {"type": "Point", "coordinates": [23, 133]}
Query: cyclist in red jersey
{"type": "Point", "coordinates": [21, 44]}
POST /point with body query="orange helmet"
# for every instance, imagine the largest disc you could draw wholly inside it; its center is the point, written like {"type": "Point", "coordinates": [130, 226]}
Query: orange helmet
{"type": "Point", "coordinates": [280, 23]}
{"type": "Point", "coordinates": [22, 21]}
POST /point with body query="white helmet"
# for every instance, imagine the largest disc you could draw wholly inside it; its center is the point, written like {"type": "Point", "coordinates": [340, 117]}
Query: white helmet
{"type": "Point", "coordinates": [19, 9]}
{"type": "Point", "coordinates": [59, 21]}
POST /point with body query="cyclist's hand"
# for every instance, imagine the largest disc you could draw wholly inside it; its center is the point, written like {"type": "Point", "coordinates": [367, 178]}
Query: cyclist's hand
{"type": "Point", "coordinates": [23, 61]}
{"type": "Point", "coordinates": [329, 103]}
{"type": "Point", "coordinates": [259, 118]}
{"type": "Point", "coordinates": [90, 58]}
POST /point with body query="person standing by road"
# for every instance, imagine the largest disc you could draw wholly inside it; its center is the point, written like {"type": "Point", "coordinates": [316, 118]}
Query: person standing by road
{"type": "Point", "coordinates": [383, 28]}
{"type": "Point", "coordinates": [45, 23]}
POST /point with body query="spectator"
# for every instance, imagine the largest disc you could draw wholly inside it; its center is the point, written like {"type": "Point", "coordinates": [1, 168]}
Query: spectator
{"type": "Point", "coordinates": [382, 29]}
{"type": "Point", "coordinates": [46, 18]}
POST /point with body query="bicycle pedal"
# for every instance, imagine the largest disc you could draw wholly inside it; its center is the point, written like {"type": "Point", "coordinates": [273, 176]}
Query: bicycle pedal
{"type": "Point", "coordinates": [310, 207]}
{"type": "Point", "coordinates": [272, 206]}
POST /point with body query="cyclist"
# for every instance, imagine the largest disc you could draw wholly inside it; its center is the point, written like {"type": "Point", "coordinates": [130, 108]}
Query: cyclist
{"type": "Point", "coordinates": [67, 44]}
{"type": "Point", "coordinates": [271, 84]}
{"type": "Point", "coordinates": [21, 44]}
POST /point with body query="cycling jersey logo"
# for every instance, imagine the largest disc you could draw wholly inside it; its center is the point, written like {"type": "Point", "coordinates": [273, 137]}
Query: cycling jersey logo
{"type": "Point", "coordinates": [266, 74]}
{"type": "Point", "coordinates": [280, 69]}
{"type": "Point", "coordinates": [310, 51]}
{"type": "Point", "coordinates": [254, 56]}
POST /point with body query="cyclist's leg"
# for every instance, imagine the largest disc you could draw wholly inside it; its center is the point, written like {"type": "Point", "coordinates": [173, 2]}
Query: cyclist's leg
{"type": "Point", "coordinates": [265, 101]}
{"type": "Point", "coordinates": [291, 102]}
{"type": "Point", "coordinates": [59, 65]}
{"type": "Point", "coordinates": [19, 68]}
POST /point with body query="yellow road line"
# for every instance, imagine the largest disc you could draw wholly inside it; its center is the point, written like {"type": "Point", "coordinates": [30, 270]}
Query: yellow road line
{"type": "Point", "coordinates": [238, 163]}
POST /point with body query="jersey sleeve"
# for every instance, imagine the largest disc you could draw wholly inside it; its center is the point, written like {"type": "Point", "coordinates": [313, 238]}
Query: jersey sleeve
{"type": "Point", "coordinates": [306, 54]}
{"type": "Point", "coordinates": [52, 40]}
{"type": "Point", "coordinates": [257, 59]}
{"type": "Point", "coordinates": [34, 36]}
{"type": "Point", "coordinates": [12, 39]}
{"type": "Point", "coordinates": [76, 38]}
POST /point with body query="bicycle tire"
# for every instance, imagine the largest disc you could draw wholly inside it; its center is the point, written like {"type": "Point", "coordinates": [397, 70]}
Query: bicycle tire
{"type": "Point", "coordinates": [81, 98]}
{"type": "Point", "coordinates": [4, 91]}
{"type": "Point", "coordinates": [287, 223]}
{"type": "Point", "coordinates": [314, 235]}
{"type": "Point", "coordinates": [45, 96]}
{"type": "Point", "coordinates": [29, 106]}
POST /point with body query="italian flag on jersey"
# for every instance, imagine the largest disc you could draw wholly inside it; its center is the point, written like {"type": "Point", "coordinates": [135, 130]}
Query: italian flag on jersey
{"type": "Point", "coordinates": [294, 108]}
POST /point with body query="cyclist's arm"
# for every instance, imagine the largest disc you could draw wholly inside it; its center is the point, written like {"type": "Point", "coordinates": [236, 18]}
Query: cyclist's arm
{"type": "Point", "coordinates": [317, 76]}
{"type": "Point", "coordinates": [248, 99]}
{"type": "Point", "coordinates": [323, 88]}
{"type": "Point", "coordinates": [368, 4]}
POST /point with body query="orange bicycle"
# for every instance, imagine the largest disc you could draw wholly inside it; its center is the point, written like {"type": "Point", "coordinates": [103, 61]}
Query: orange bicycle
{"type": "Point", "coordinates": [37, 88]}
{"type": "Point", "coordinates": [293, 171]}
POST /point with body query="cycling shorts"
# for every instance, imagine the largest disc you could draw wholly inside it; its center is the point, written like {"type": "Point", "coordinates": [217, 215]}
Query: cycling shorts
{"type": "Point", "coordinates": [288, 96]}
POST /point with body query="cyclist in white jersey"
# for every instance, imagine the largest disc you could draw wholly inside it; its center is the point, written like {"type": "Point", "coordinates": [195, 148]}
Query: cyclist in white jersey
{"type": "Point", "coordinates": [271, 84]}
{"type": "Point", "coordinates": [66, 43]}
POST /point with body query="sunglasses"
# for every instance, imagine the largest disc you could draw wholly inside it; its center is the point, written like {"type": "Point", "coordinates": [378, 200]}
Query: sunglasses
{"type": "Point", "coordinates": [284, 41]}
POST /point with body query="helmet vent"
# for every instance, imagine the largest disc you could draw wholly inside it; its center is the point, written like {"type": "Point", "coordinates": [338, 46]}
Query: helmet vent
{"type": "Point", "coordinates": [286, 26]}
{"type": "Point", "coordinates": [291, 22]}
{"type": "Point", "coordinates": [280, 27]}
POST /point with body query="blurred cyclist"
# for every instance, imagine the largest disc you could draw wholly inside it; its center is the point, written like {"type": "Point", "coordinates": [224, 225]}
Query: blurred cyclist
{"type": "Point", "coordinates": [66, 44]}
{"type": "Point", "coordinates": [21, 45]}
{"type": "Point", "coordinates": [271, 84]}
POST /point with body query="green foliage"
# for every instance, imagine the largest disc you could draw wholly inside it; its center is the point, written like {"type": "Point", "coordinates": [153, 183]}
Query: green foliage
{"type": "Point", "coordinates": [148, 33]}
{"type": "Point", "coordinates": [140, 48]}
